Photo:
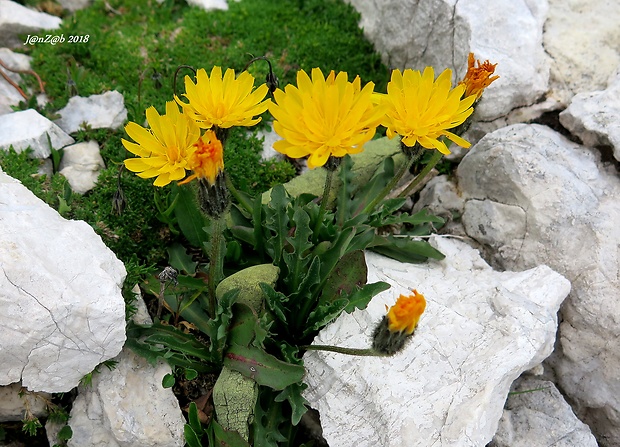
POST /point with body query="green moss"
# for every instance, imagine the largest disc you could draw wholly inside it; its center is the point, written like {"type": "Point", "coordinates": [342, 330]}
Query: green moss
{"type": "Point", "coordinates": [135, 47]}
{"type": "Point", "coordinates": [135, 233]}
{"type": "Point", "coordinates": [248, 172]}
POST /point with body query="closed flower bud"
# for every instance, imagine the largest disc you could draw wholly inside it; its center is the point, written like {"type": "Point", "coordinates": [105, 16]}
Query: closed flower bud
{"type": "Point", "coordinates": [399, 324]}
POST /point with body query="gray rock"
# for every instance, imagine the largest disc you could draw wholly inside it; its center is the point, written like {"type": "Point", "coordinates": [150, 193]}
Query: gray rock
{"type": "Point", "coordinates": [269, 137]}
{"type": "Point", "coordinates": [209, 5]}
{"type": "Point", "coordinates": [16, 20]}
{"type": "Point", "coordinates": [128, 406]}
{"type": "Point", "coordinates": [480, 331]}
{"type": "Point", "coordinates": [442, 198]}
{"type": "Point", "coordinates": [506, 32]}
{"type": "Point", "coordinates": [81, 164]}
{"type": "Point", "coordinates": [75, 5]}
{"type": "Point", "coordinates": [534, 197]}
{"type": "Point", "coordinates": [13, 406]}
{"type": "Point", "coordinates": [62, 308]}
{"type": "Point", "coordinates": [29, 129]}
{"type": "Point", "coordinates": [582, 38]}
{"type": "Point", "coordinates": [595, 117]}
{"type": "Point", "coordinates": [97, 111]}
{"type": "Point", "coordinates": [9, 96]}
{"type": "Point", "coordinates": [540, 417]}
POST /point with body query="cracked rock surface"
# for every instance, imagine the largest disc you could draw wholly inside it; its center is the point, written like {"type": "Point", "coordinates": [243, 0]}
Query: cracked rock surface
{"type": "Point", "coordinates": [536, 414]}
{"type": "Point", "coordinates": [480, 331]}
{"type": "Point", "coordinates": [534, 197]}
{"type": "Point", "coordinates": [62, 308]}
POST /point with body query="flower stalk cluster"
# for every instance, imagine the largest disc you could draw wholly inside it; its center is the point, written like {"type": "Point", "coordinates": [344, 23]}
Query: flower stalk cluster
{"type": "Point", "coordinates": [188, 145]}
{"type": "Point", "coordinates": [323, 118]}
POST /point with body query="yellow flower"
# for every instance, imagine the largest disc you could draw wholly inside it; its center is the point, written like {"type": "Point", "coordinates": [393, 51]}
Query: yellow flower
{"type": "Point", "coordinates": [162, 150]}
{"type": "Point", "coordinates": [223, 102]}
{"type": "Point", "coordinates": [324, 117]}
{"type": "Point", "coordinates": [405, 314]}
{"type": "Point", "coordinates": [421, 109]}
{"type": "Point", "coordinates": [478, 78]}
{"type": "Point", "coordinates": [207, 158]}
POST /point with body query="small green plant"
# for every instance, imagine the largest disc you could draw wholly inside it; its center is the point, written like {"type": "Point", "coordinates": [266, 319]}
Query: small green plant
{"type": "Point", "coordinates": [87, 380]}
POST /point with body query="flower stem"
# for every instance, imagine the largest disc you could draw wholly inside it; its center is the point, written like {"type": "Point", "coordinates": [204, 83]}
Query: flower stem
{"type": "Point", "coordinates": [326, 190]}
{"type": "Point", "coordinates": [422, 175]}
{"type": "Point", "coordinates": [217, 230]}
{"type": "Point", "coordinates": [411, 158]}
{"type": "Point", "coordinates": [369, 352]}
{"type": "Point", "coordinates": [237, 195]}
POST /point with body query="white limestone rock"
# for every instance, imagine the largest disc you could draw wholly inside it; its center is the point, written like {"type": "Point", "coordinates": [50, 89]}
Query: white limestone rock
{"type": "Point", "coordinates": [9, 96]}
{"type": "Point", "coordinates": [81, 164]}
{"type": "Point", "coordinates": [595, 117]}
{"type": "Point", "coordinates": [582, 38]}
{"type": "Point", "coordinates": [534, 197]}
{"type": "Point", "coordinates": [16, 19]}
{"type": "Point", "coordinates": [29, 129]}
{"type": "Point", "coordinates": [128, 406]}
{"type": "Point", "coordinates": [269, 137]}
{"type": "Point", "coordinates": [480, 331]}
{"type": "Point", "coordinates": [441, 33]}
{"type": "Point", "coordinates": [209, 5]}
{"type": "Point", "coordinates": [539, 416]}
{"type": "Point", "coordinates": [75, 5]}
{"type": "Point", "coordinates": [13, 406]}
{"type": "Point", "coordinates": [62, 308]}
{"type": "Point", "coordinates": [97, 111]}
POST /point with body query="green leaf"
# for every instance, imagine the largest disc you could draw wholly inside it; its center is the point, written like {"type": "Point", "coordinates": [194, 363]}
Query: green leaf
{"type": "Point", "coordinates": [343, 199]}
{"type": "Point", "coordinates": [309, 281]}
{"type": "Point", "coordinates": [293, 394]}
{"type": "Point", "coordinates": [421, 217]}
{"type": "Point", "coordinates": [165, 206]}
{"type": "Point", "coordinates": [405, 249]}
{"type": "Point", "coordinates": [277, 220]}
{"type": "Point", "coordinates": [194, 419]}
{"type": "Point", "coordinates": [190, 374]}
{"type": "Point", "coordinates": [65, 433]}
{"type": "Point", "coordinates": [258, 217]}
{"type": "Point", "coordinates": [324, 314]}
{"type": "Point", "coordinates": [180, 260]}
{"type": "Point", "coordinates": [190, 219]}
{"type": "Point", "coordinates": [191, 438]}
{"type": "Point", "coordinates": [217, 329]}
{"type": "Point", "coordinates": [245, 325]}
{"type": "Point", "coordinates": [168, 381]}
{"type": "Point", "coordinates": [167, 342]}
{"type": "Point", "coordinates": [361, 297]}
{"type": "Point", "coordinates": [349, 274]}
{"type": "Point", "coordinates": [244, 234]}
{"type": "Point", "coordinates": [226, 438]}
{"type": "Point", "coordinates": [362, 239]}
{"type": "Point", "coordinates": [268, 417]}
{"type": "Point", "coordinates": [263, 368]}
{"type": "Point", "coordinates": [297, 261]}
{"type": "Point", "coordinates": [276, 301]}
{"type": "Point", "coordinates": [331, 257]}
{"type": "Point", "coordinates": [369, 191]}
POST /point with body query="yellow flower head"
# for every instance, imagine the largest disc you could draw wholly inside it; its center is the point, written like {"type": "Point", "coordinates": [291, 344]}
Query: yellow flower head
{"type": "Point", "coordinates": [421, 109]}
{"type": "Point", "coordinates": [405, 314]}
{"type": "Point", "coordinates": [324, 117]}
{"type": "Point", "coordinates": [478, 78]}
{"type": "Point", "coordinates": [207, 158]}
{"type": "Point", "coordinates": [162, 150]}
{"type": "Point", "coordinates": [223, 102]}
